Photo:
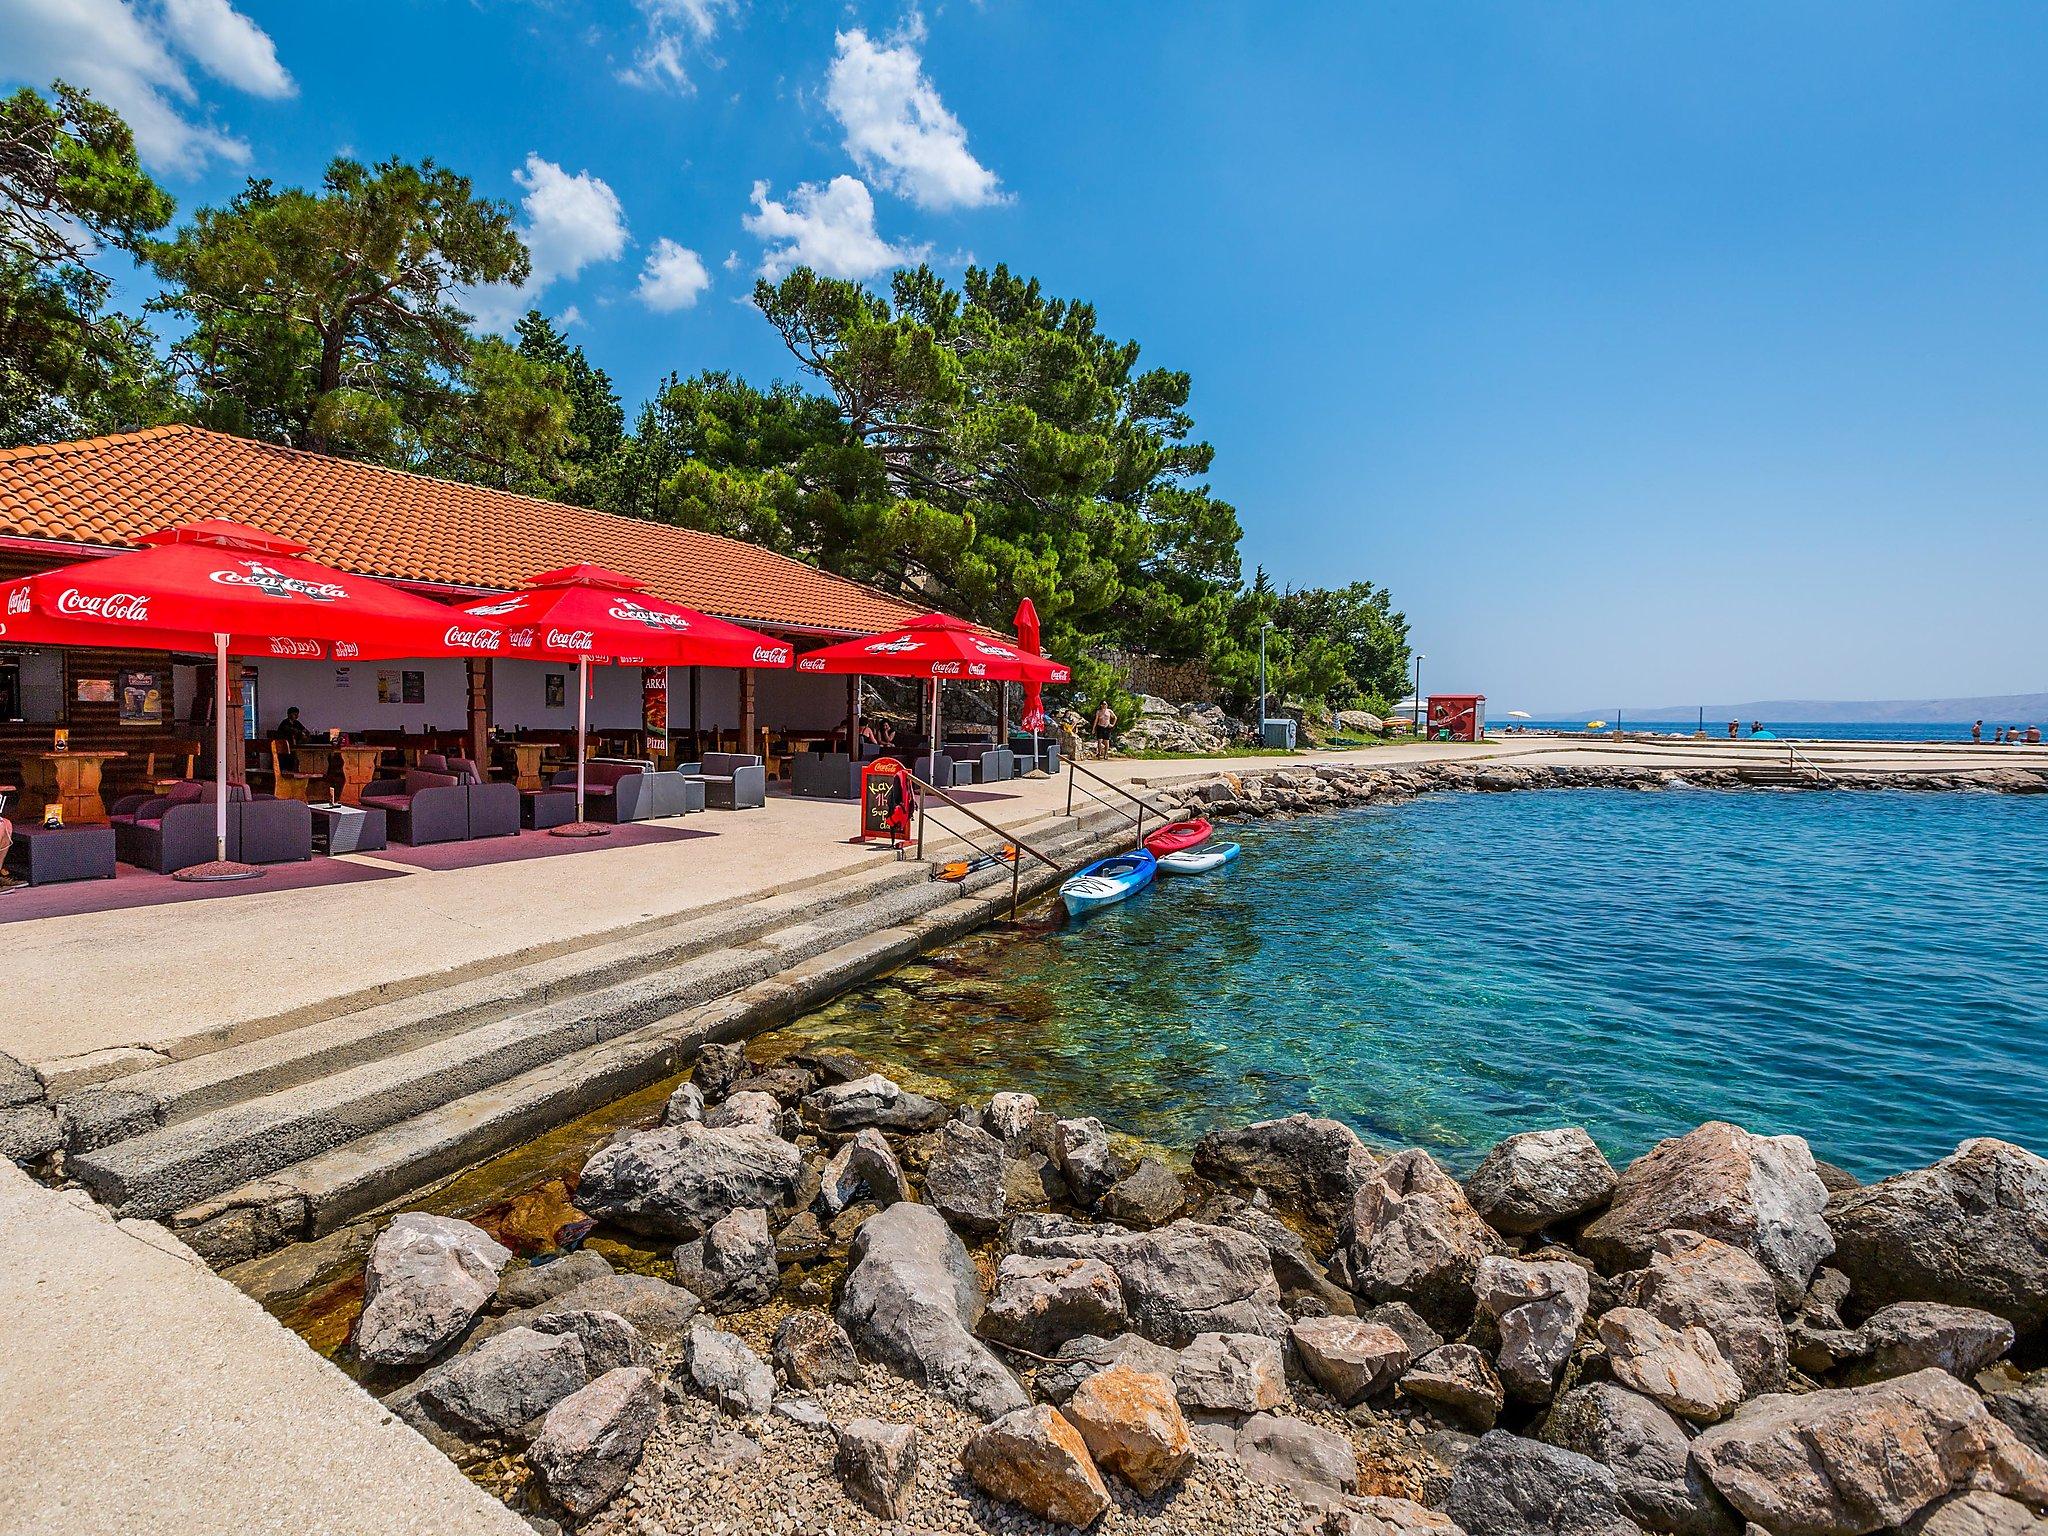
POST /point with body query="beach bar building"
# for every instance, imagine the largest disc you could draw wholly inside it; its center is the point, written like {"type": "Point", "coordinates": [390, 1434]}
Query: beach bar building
{"type": "Point", "coordinates": [456, 543]}
{"type": "Point", "coordinates": [1457, 716]}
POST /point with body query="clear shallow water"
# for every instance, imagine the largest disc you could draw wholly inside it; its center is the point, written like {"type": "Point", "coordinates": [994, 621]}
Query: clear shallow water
{"type": "Point", "coordinates": [1864, 969]}
{"type": "Point", "coordinates": [1794, 730]}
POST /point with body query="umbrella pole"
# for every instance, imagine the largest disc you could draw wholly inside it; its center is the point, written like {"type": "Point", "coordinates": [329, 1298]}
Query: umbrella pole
{"type": "Point", "coordinates": [579, 827]}
{"type": "Point", "coordinates": [931, 765]}
{"type": "Point", "coordinates": [221, 867]}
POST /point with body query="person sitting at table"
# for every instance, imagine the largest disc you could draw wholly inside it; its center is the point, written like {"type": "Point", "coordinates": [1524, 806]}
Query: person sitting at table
{"type": "Point", "coordinates": [290, 735]}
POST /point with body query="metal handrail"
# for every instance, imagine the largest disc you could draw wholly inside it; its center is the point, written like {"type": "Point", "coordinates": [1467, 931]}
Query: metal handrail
{"type": "Point", "coordinates": [1016, 864]}
{"type": "Point", "coordinates": [1143, 805]}
{"type": "Point", "coordinates": [1794, 758]}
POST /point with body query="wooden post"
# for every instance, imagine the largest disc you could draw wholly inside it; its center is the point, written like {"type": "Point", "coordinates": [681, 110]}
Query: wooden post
{"type": "Point", "coordinates": [1002, 715]}
{"type": "Point", "coordinates": [746, 708]}
{"type": "Point", "coordinates": [480, 713]}
{"type": "Point", "coordinates": [853, 716]}
{"type": "Point", "coordinates": [696, 712]}
{"type": "Point", "coordinates": [237, 752]}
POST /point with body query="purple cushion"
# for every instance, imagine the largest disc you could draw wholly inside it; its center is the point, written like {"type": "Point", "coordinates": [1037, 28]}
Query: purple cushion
{"type": "Point", "coordinates": [464, 771]}
{"type": "Point", "coordinates": [187, 792]}
{"type": "Point", "coordinates": [389, 802]}
{"type": "Point", "coordinates": [417, 779]}
{"type": "Point", "coordinates": [122, 818]}
{"type": "Point", "coordinates": [433, 762]}
{"type": "Point", "coordinates": [154, 823]}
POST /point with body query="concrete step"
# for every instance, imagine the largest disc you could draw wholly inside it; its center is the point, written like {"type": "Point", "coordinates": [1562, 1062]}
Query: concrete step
{"type": "Point", "coordinates": [321, 1192]}
{"type": "Point", "coordinates": [173, 1166]}
{"type": "Point", "coordinates": [180, 1090]}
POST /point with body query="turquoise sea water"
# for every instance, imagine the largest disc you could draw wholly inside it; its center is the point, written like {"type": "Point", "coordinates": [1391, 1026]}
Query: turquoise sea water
{"type": "Point", "coordinates": [1789, 730]}
{"type": "Point", "coordinates": [1865, 969]}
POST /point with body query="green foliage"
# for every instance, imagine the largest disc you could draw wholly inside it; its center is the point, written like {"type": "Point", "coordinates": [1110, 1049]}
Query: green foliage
{"type": "Point", "coordinates": [70, 189]}
{"type": "Point", "coordinates": [1341, 648]}
{"type": "Point", "coordinates": [596, 421]}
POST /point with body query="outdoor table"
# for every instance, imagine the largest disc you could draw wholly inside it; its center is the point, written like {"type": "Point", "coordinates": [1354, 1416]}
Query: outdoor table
{"type": "Point", "coordinates": [50, 854]}
{"type": "Point", "coordinates": [358, 769]}
{"type": "Point", "coordinates": [544, 808]}
{"type": "Point", "coordinates": [69, 779]}
{"type": "Point", "coordinates": [526, 762]}
{"type": "Point", "coordinates": [347, 829]}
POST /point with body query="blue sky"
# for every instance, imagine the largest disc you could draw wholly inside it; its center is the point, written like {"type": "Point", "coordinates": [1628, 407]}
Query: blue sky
{"type": "Point", "coordinates": [1649, 352]}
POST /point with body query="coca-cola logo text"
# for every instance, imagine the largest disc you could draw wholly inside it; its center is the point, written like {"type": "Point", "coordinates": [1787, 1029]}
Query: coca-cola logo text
{"type": "Point", "coordinates": [633, 613]}
{"type": "Point", "coordinates": [773, 655]}
{"type": "Point", "coordinates": [571, 639]}
{"type": "Point", "coordinates": [297, 649]}
{"type": "Point", "coordinates": [945, 669]}
{"type": "Point", "coordinates": [273, 583]}
{"type": "Point", "coordinates": [17, 600]}
{"type": "Point", "coordinates": [895, 647]}
{"type": "Point", "coordinates": [521, 639]}
{"type": "Point", "coordinates": [472, 639]}
{"type": "Point", "coordinates": [346, 650]}
{"type": "Point", "coordinates": [122, 607]}
{"type": "Point", "coordinates": [810, 664]}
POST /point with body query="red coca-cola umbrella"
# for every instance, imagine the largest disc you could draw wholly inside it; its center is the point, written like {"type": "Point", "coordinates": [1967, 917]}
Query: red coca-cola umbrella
{"type": "Point", "coordinates": [235, 591]}
{"type": "Point", "coordinates": [937, 646]}
{"type": "Point", "coordinates": [586, 614]}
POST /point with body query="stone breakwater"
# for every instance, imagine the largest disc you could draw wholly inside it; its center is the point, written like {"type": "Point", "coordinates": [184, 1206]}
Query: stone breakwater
{"type": "Point", "coordinates": [1294, 791]}
{"type": "Point", "coordinates": [880, 1306]}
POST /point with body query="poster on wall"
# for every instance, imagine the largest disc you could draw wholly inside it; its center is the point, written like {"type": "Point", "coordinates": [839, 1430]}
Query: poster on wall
{"type": "Point", "coordinates": [654, 708]}
{"type": "Point", "coordinates": [413, 687]}
{"type": "Point", "coordinates": [341, 677]}
{"type": "Point", "coordinates": [95, 690]}
{"type": "Point", "coordinates": [387, 686]}
{"type": "Point", "coordinates": [557, 689]}
{"type": "Point", "coordinates": [142, 698]}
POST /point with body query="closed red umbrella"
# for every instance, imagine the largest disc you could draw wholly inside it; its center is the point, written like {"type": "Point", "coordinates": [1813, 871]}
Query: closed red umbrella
{"type": "Point", "coordinates": [1027, 639]}
{"type": "Point", "coordinates": [585, 614]}
{"type": "Point", "coordinates": [235, 591]}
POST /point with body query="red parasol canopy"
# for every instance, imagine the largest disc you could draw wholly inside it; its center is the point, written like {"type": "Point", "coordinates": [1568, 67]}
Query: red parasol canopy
{"type": "Point", "coordinates": [587, 613]}
{"type": "Point", "coordinates": [189, 586]}
{"type": "Point", "coordinates": [935, 646]}
{"type": "Point", "coordinates": [1034, 693]}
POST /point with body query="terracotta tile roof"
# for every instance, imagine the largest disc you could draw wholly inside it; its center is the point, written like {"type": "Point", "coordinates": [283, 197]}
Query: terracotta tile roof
{"type": "Point", "coordinates": [383, 522]}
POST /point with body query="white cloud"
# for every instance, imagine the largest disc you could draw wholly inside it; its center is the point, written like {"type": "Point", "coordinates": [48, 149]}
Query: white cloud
{"type": "Point", "coordinates": [830, 229]}
{"type": "Point", "coordinates": [228, 46]}
{"type": "Point", "coordinates": [673, 277]}
{"type": "Point", "coordinates": [897, 129]}
{"type": "Point", "coordinates": [124, 58]}
{"type": "Point", "coordinates": [571, 222]}
{"type": "Point", "coordinates": [676, 29]}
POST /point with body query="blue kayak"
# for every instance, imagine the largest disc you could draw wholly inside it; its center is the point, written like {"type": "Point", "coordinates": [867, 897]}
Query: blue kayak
{"type": "Point", "coordinates": [1108, 881]}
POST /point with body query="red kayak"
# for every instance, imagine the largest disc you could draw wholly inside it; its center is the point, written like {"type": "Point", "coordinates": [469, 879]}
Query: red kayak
{"type": "Point", "coordinates": [1178, 837]}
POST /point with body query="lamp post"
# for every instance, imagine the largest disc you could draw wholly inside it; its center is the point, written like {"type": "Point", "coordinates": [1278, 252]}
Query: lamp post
{"type": "Point", "coordinates": [1419, 660]}
{"type": "Point", "coordinates": [1264, 625]}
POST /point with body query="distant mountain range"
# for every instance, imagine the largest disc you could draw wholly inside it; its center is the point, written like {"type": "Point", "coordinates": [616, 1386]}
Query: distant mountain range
{"type": "Point", "coordinates": [2006, 708]}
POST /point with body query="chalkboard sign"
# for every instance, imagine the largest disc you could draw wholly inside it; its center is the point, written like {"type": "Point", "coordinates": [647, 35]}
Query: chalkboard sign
{"type": "Point", "coordinates": [883, 785]}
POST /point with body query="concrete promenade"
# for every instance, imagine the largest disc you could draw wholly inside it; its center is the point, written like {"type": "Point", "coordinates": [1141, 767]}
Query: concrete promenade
{"type": "Point", "coordinates": [140, 1392]}
{"type": "Point", "coordinates": [93, 995]}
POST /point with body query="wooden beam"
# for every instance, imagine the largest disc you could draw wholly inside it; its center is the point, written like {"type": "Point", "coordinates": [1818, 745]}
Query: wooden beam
{"type": "Point", "coordinates": [480, 713]}
{"type": "Point", "coordinates": [746, 709]}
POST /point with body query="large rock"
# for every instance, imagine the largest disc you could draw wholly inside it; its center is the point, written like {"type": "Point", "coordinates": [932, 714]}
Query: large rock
{"type": "Point", "coordinates": [1305, 1285]}
{"type": "Point", "coordinates": [1541, 1179]}
{"type": "Point", "coordinates": [1971, 1230]}
{"type": "Point", "coordinates": [532, 1285]}
{"type": "Point", "coordinates": [1183, 1279]}
{"type": "Point", "coordinates": [1459, 1379]}
{"type": "Point", "coordinates": [732, 1266]}
{"type": "Point", "coordinates": [1231, 1373]}
{"type": "Point", "coordinates": [2022, 1407]}
{"type": "Point", "coordinates": [1081, 1148]}
{"type": "Point", "coordinates": [872, 1100]}
{"type": "Point", "coordinates": [1010, 1117]}
{"type": "Point", "coordinates": [1348, 1357]}
{"type": "Point", "coordinates": [1648, 1453]}
{"type": "Point", "coordinates": [493, 1398]}
{"type": "Point", "coordinates": [684, 1106]}
{"type": "Point", "coordinates": [610, 1343]}
{"type": "Point", "coordinates": [1150, 1195]}
{"type": "Point", "coordinates": [1509, 1486]}
{"type": "Point", "coordinates": [1310, 1165]}
{"type": "Point", "coordinates": [1040, 1303]}
{"type": "Point", "coordinates": [1537, 1307]}
{"type": "Point", "coordinates": [1133, 1427]}
{"type": "Point", "coordinates": [1858, 1459]}
{"type": "Point", "coordinates": [1757, 1193]}
{"type": "Point", "coordinates": [865, 1169]}
{"type": "Point", "coordinates": [911, 1300]}
{"type": "Point", "coordinates": [591, 1440]}
{"type": "Point", "coordinates": [1310, 1460]}
{"type": "Point", "coordinates": [719, 1066]}
{"type": "Point", "coordinates": [744, 1107]}
{"type": "Point", "coordinates": [1412, 1236]}
{"type": "Point", "coordinates": [1977, 1514]}
{"type": "Point", "coordinates": [1380, 1515]}
{"type": "Point", "coordinates": [1682, 1369]}
{"type": "Point", "coordinates": [659, 1312]}
{"type": "Point", "coordinates": [427, 1278]}
{"type": "Point", "coordinates": [877, 1465]}
{"type": "Point", "coordinates": [1694, 1281]}
{"type": "Point", "coordinates": [1910, 1336]}
{"type": "Point", "coordinates": [725, 1369]}
{"type": "Point", "coordinates": [965, 1178]}
{"type": "Point", "coordinates": [677, 1180]}
{"type": "Point", "coordinates": [1033, 1458]}
{"type": "Point", "coordinates": [812, 1351]}
{"type": "Point", "coordinates": [1078, 1359]}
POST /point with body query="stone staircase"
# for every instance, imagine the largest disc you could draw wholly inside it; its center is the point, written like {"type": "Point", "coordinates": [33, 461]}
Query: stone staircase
{"type": "Point", "coordinates": [286, 1137]}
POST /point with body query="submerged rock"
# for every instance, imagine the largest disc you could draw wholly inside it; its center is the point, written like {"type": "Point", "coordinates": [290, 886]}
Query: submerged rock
{"type": "Point", "coordinates": [426, 1280]}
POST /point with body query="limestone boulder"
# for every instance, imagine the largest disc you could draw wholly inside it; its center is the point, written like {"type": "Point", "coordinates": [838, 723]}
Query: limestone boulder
{"type": "Point", "coordinates": [877, 1465]}
{"type": "Point", "coordinates": [677, 1180]}
{"type": "Point", "coordinates": [865, 1170]}
{"type": "Point", "coordinates": [610, 1343]}
{"type": "Point", "coordinates": [2022, 1407]}
{"type": "Point", "coordinates": [1970, 1230]}
{"type": "Point", "coordinates": [426, 1280]}
{"type": "Point", "coordinates": [1509, 1486]}
{"type": "Point", "coordinates": [1541, 1179]}
{"type": "Point", "coordinates": [1649, 1455]}
{"type": "Point", "coordinates": [1035, 1459]}
{"type": "Point", "coordinates": [1010, 1118]}
{"type": "Point", "coordinates": [1910, 1336]}
{"type": "Point", "coordinates": [684, 1106]}
{"type": "Point", "coordinates": [1313, 1461]}
{"type": "Point", "coordinates": [1081, 1149]}
{"type": "Point", "coordinates": [1977, 1514]}
{"type": "Point", "coordinates": [911, 1300]}
{"type": "Point", "coordinates": [1459, 1379]}
{"type": "Point", "coordinates": [1347, 1357]}
{"type": "Point", "coordinates": [1851, 1460]}
{"type": "Point", "coordinates": [660, 1313]}
{"type": "Point", "coordinates": [732, 1266]}
{"type": "Point", "coordinates": [812, 1351]}
{"type": "Point", "coordinates": [1380, 1515]}
{"type": "Point", "coordinates": [591, 1440]}
{"type": "Point", "coordinates": [725, 1369]}
{"type": "Point", "coordinates": [530, 1285]}
{"type": "Point", "coordinates": [1078, 1359]}
{"type": "Point", "coordinates": [1305, 1285]}
{"type": "Point", "coordinates": [1231, 1373]}
{"type": "Point", "coordinates": [1694, 1281]}
{"type": "Point", "coordinates": [1304, 1163]}
{"type": "Point", "coordinates": [1133, 1427]}
{"type": "Point", "coordinates": [1412, 1236]}
{"type": "Point", "coordinates": [1537, 1308]}
{"type": "Point", "coordinates": [873, 1100]}
{"type": "Point", "coordinates": [1681, 1369]}
{"type": "Point", "coordinates": [745, 1106]}
{"type": "Point", "coordinates": [1150, 1195]}
{"type": "Point", "coordinates": [964, 1180]}
{"type": "Point", "coordinates": [494, 1397]}
{"type": "Point", "coordinates": [1757, 1193]}
{"type": "Point", "coordinates": [1040, 1303]}
{"type": "Point", "coordinates": [1184, 1279]}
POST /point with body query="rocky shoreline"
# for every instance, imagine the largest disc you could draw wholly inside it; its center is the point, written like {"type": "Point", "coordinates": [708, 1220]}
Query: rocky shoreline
{"type": "Point", "coordinates": [887, 1311]}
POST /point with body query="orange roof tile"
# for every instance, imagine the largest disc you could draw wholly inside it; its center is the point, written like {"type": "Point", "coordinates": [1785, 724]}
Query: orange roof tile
{"type": "Point", "coordinates": [384, 522]}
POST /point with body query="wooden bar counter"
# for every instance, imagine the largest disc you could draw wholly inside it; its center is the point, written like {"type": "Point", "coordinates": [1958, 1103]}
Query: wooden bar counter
{"type": "Point", "coordinates": [71, 780]}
